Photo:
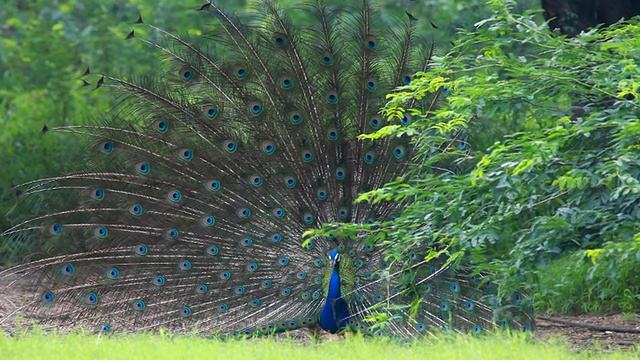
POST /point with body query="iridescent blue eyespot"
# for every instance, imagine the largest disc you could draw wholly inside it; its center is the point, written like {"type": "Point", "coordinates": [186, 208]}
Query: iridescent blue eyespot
{"type": "Point", "coordinates": [371, 84]}
{"type": "Point", "coordinates": [106, 147]}
{"type": "Point", "coordinates": [135, 209]}
{"type": "Point", "coordinates": [332, 134]}
{"type": "Point", "coordinates": [67, 269]}
{"type": "Point", "coordinates": [185, 312]}
{"type": "Point", "coordinates": [319, 262]}
{"type": "Point", "coordinates": [306, 295]}
{"type": "Point", "coordinates": [252, 267]}
{"type": "Point", "coordinates": [230, 146]}
{"type": "Point", "coordinates": [266, 284]}
{"type": "Point", "coordinates": [212, 250]}
{"type": "Point", "coordinates": [285, 292]}
{"type": "Point", "coordinates": [210, 111]}
{"type": "Point", "coordinates": [47, 297]}
{"type": "Point", "coordinates": [444, 306]}
{"type": "Point", "coordinates": [307, 155]}
{"type": "Point", "coordinates": [161, 126]}
{"type": "Point", "coordinates": [97, 194]}
{"type": "Point", "coordinates": [184, 265]}
{"type": "Point", "coordinates": [239, 290]}
{"type": "Point", "coordinates": [343, 212]}
{"type": "Point", "coordinates": [276, 238]}
{"type": "Point", "coordinates": [201, 289]}
{"type": "Point", "coordinates": [185, 154]}
{"type": "Point", "coordinates": [372, 42]}
{"type": "Point", "coordinates": [295, 117]}
{"type": "Point", "coordinates": [246, 241]}
{"type": "Point", "coordinates": [308, 218]}
{"type": "Point", "coordinates": [186, 74]}
{"type": "Point", "coordinates": [321, 193]}
{"type": "Point", "coordinates": [332, 97]}
{"type": "Point", "coordinates": [407, 78]}
{"type": "Point", "coordinates": [283, 261]}
{"type": "Point", "coordinates": [315, 295]}
{"type": "Point", "coordinates": [406, 119]}
{"type": "Point", "coordinates": [138, 305]}
{"type": "Point", "coordinates": [174, 196]}
{"type": "Point", "coordinates": [223, 307]}
{"type": "Point", "coordinates": [278, 212]}
{"type": "Point", "coordinates": [369, 157]}
{"type": "Point", "coordinates": [279, 39]}
{"type": "Point", "coordinates": [455, 287]}
{"type": "Point", "coordinates": [341, 173]}
{"type": "Point", "coordinates": [244, 213]}
{"type": "Point", "coordinates": [255, 108]}
{"type": "Point", "coordinates": [255, 302]}
{"type": "Point", "coordinates": [318, 280]}
{"type": "Point", "coordinates": [141, 250]}
{"type": "Point", "coordinates": [368, 247]}
{"type": "Point", "coordinates": [112, 274]}
{"type": "Point", "coordinates": [105, 328]}
{"type": "Point", "coordinates": [399, 152]}
{"type": "Point", "coordinates": [327, 59]}
{"type": "Point", "coordinates": [142, 168]}
{"type": "Point", "coordinates": [158, 281]}
{"type": "Point", "coordinates": [268, 147]}
{"type": "Point", "coordinates": [240, 71]}
{"type": "Point", "coordinates": [477, 328]}
{"type": "Point", "coordinates": [171, 234]}
{"type": "Point", "coordinates": [100, 232]}
{"type": "Point", "coordinates": [255, 180]}
{"type": "Point", "coordinates": [301, 275]}
{"type": "Point", "coordinates": [212, 185]}
{"type": "Point", "coordinates": [310, 245]}
{"type": "Point", "coordinates": [91, 299]}
{"type": "Point", "coordinates": [375, 122]}
{"type": "Point", "coordinates": [208, 221]}
{"type": "Point", "coordinates": [225, 275]}
{"type": "Point", "coordinates": [469, 305]}
{"type": "Point", "coordinates": [286, 82]}
{"type": "Point", "coordinates": [290, 181]}
{"type": "Point", "coordinates": [55, 229]}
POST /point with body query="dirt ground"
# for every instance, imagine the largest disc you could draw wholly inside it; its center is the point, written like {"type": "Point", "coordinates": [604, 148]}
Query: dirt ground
{"type": "Point", "coordinates": [602, 332]}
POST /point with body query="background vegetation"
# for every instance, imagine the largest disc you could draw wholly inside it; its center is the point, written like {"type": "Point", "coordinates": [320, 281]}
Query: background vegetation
{"type": "Point", "coordinates": [541, 184]}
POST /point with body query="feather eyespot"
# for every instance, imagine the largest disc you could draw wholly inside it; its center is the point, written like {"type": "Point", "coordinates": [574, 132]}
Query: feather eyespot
{"type": "Point", "coordinates": [371, 42]}
{"type": "Point", "coordinates": [186, 74]}
{"type": "Point", "coordinates": [185, 312]}
{"type": "Point", "coordinates": [185, 154]}
{"type": "Point", "coordinates": [171, 234]}
{"type": "Point", "coordinates": [143, 168]}
{"type": "Point", "coordinates": [371, 84]}
{"type": "Point", "coordinates": [158, 281]}
{"type": "Point", "coordinates": [322, 193]}
{"type": "Point", "coordinates": [112, 274]}
{"type": "Point", "coordinates": [332, 133]}
{"type": "Point", "coordinates": [279, 40]}
{"type": "Point", "coordinates": [255, 180]}
{"type": "Point", "coordinates": [341, 172]}
{"type": "Point", "coordinates": [246, 242]}
{"type": "Point", "coordinates": [332, 97]}
{"type": "Point", "coordinates": [244, 213]}
{"type": "Point", "coordinates": [212, 250]}
{"type": "Point", "coordinates": [138, 305]}
{"type": "Point", "coordinates": [276, 238]}
{"type": "Point", "coordinates": [290, 181]}
{"type": "Point", "coordinates": [135, 210]}
{"type": "Point", "coordinates": [283, 261]}
{"type": "Point", "coordinates": [406, 119]}
{"type": "Point", "coordinates": [161, 126]}
{"type": "Point", "coordinates": [399, 152]}
{"type": "Point", "coordinates": [343, 212]}
{"type": "Point", "coordinates": [268, 147]}
{"type": "Point", "coordinates": [255, 108]}
{"type": "Point", "coordinates": [106, 147]}
{"type": "Point", "coordinates": [240, 71]}
{"type": "Point", "coordinates": [225, 275]}
{"type": "Point", "coordinates": [370, 157]}
{"type": "Point", "coordinates": [212, 185]}
{"type": "Point", "coordinates": [327, 59]}
{"type": "Point", "coordinates": [230, 146]}
{"type": "Point", "coordinates": [55, 229]}
{"type": "Point", "coordinates": [174, 196]}
{"type": "Point", "coordinates": [100, 232]}
{"type": "Point", "coordinates": [307, 155]}
{"type": "Point", "coordinates": [208, 221]}
{"type": "Point", "coordinates": [67, 269]}
{"type": "Point", "coordinates": [286, 82]}
{"type": "Point", "coordinates": [407, 78]}
{"type": "Point", "coordinates": [210, 111]}
{"type": "Point", "coordinates": [252, 267]}
{"type": "Point", "coordinates": [141, 250]}
{"type": "Point", "coordinates": [184, 265]}
{"type": "Point", "coordinates": [279, 212]}
{"type": "Point", "coordinates": [47, 297]}
{"type": "Point", "coordinates": [295, 117]}
{"type": "Point", "coordinates": [201, 289]}
{"type": "Point", "coordinates": [376, 122]}
{"type": "Point", "coordinates": [308, 218]}
{"type": "Point", "coordinates": [97, 194]}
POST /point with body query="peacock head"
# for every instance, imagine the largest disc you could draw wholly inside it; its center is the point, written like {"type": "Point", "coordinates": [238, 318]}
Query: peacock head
{"type": "Point", "coordinates": [334, 257]}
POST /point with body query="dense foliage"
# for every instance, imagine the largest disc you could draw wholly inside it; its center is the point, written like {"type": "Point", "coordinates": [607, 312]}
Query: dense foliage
{"type": "Point", "coordinates": [531, 162]}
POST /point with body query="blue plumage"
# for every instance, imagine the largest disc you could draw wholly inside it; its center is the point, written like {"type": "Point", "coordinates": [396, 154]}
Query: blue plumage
{"type": "Point", "coordinates": [199, 186]}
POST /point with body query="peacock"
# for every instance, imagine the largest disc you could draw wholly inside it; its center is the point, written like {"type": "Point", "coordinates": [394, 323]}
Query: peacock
{"type": "Point", "coordinates": [201, 182]}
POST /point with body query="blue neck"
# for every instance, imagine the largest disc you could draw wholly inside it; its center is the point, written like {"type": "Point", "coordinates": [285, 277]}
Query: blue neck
{"type": "Point", "coordinates": [336, 311]}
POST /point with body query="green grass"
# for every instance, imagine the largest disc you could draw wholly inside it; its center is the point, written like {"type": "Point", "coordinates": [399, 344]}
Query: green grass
{"type": "Point", "coordinates": [148, 346]}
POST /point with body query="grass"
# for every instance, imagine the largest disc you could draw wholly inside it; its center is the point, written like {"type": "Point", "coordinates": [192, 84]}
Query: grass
{"type": "Point", "coordinates": [154, 346]}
